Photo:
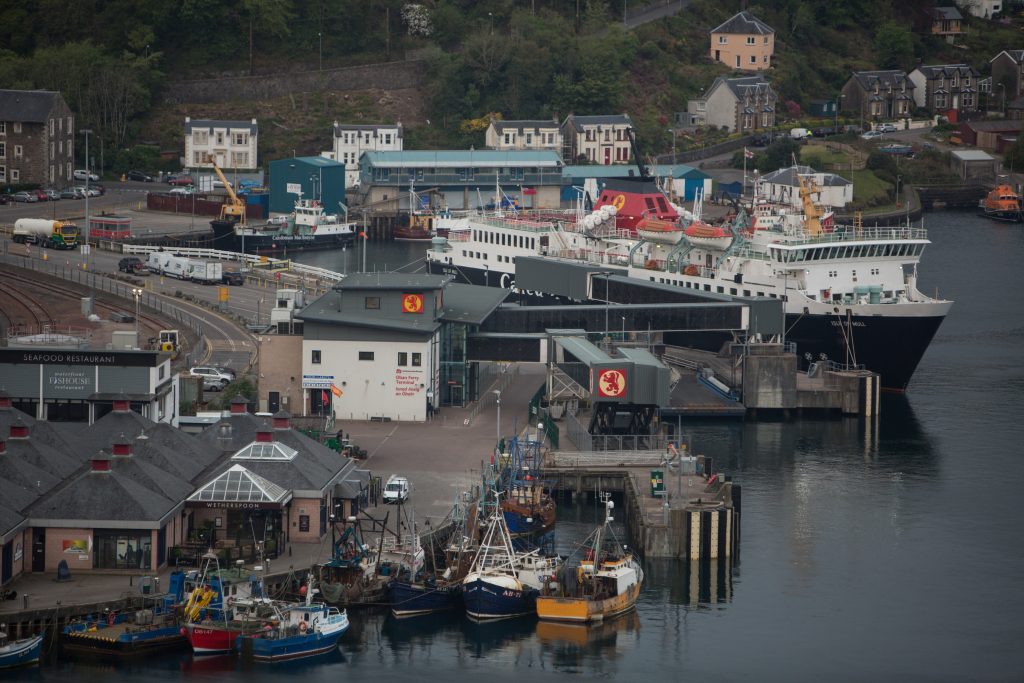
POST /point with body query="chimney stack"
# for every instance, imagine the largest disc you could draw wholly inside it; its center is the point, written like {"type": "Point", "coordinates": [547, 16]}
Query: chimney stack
{"type": "Point", "coordinates": [100, 462]}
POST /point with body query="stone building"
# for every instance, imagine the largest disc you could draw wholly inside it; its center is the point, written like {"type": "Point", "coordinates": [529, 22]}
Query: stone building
{"type": "Point", "coordinates": [37, 137]}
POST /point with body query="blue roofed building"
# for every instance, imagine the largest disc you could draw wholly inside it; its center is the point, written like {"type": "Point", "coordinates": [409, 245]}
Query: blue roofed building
{"type": "Point", "coordinates": [678, 180]}
{"type": "Point", "coordinates": [459, 179]}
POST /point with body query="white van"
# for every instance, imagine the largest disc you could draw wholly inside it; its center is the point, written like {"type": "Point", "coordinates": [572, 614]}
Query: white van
{"type": "Point", "coordinates": [799, 133]}
{"type": "Point", "coordinates": [396, 490]}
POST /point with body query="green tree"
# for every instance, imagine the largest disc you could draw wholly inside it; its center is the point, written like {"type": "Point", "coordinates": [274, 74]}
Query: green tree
{"type": "Point", "coordinates": [894, 45]}
{"type": "Point", "coordinates": [779, 154]}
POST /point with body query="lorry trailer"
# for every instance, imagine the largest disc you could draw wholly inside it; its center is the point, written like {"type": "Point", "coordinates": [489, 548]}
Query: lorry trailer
{"type": "Point", "coordinates": [48, 233]}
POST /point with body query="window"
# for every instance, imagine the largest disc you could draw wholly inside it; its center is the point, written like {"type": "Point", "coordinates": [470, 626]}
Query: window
{"type": "Point", "coordinates": [240, 160]}
{"type": "Point", "coordinates": [200, 137]}
{"type": "Point", "coordinates": [15, 175]}
{"type": "Point", "coordinates": [198, 158]}
{"type": "Point", "coordinates": [387, 138]}
{"type": "Point", "coordinates": [508, 139]}
{"type": "Point", "coordinates": [53, 149]}
{"type": "Point", "coordinates": [17, 151]}
{"type": "Point", "coordinates": [766, 41]}
{"type": "Point", "coordinates": [70, 127]}
{"type": "Point", "coordinates": [53, 177]}
{"type": "Point", "coordinates": [304, 524]}
{"type": "Point", "coordinates": [417, 360]}
{"type": "Point", "coordinates": [382, 174]}
{"type": "Point", "coordinates": [722, 40]}
{"type": "Point", "coordinates": [366, 355]}
{"type": "Point", "coordinates": [403, 359]}
{"type": "Point", "coordinates": [315, 359]}
{"type": "Point", "coordinates": [53, 128]}
{"type": "Point", "coordinates": [373, 302]}
{"type": "Point", "coordinates": [3, 150]}
{"type": "Point", "coordinates": [220, 137]}
{"type": "Point", "coordinates": [241, 138]}
{"type": "Point", "coordinates": [60, 147]}
{"type": "Point", "coordinates": [3, 174]}
{"type": "Point", "coordinates": [750, 40]}
{"type": "Point", "coordinates": [17, 126]}
{"type": "Point", "coordinates": [753, 59]}
{"type": "Point", "coordinates": [3, 128]}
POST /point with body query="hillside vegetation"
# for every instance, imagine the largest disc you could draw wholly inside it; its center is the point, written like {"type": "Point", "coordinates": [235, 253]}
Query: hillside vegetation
{"type": "Point", "coordinates": [538, 59]}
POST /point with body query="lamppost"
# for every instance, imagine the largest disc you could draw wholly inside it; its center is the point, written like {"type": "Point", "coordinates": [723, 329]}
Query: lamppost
{"type": "Point", "coordinates": [88, 226]}
{"type": "Point", "coordinates": [673, 132]}
{"type": "Point", "coordinates": [137, 293]}
{"type": "Point", "coordinates": [259, 303]}
{"type": "Point", "coordinates": [497, 401]}
{"type": "Point", "coordinates": [898, 179]}
{"type": "Point", "coordinates": [320, 37]}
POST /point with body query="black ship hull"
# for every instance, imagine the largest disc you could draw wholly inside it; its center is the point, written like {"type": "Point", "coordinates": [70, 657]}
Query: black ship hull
{"type": "Point", "coordinates": [226, 238]}
{"type": "Point", "coordinates": [890, 345]}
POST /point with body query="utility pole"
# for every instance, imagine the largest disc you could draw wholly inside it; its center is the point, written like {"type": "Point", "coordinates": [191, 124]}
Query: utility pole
{"type": "Point", "coordinates": [88, 225]}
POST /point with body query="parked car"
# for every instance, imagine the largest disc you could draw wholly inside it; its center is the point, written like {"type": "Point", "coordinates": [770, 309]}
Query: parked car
{"type": "Point", "coordinates": [823, 132]}
{"type": "Point", "coordinates": [232, 277]}
{"type": "Point", "coordinates": [180, 180]}
{"type": "Point", "coordinates": [27, 197]}
{"type": "Point", "coordinates": [871, 135]}
{"type": "Point", "coordinates": [887, 128]}
{"type": "Point", "coordinates": [208, 372]}
{"type": "Point", "coordinates": [761, 140]}
{"type": "Point", "coordinates": [82, 174]}
{"type": "Point", "coordinates": [40, 195]}
{"type": "Point", "coordinates": [100, 190]}
{"type": "Point", "coordinates": [182, 190]}
{"type": "Point", "coordinates": [5, 199]}
{"type": "Point", "coordinates": [71, 193]}
{"type": "Point", "coordinates": [91, 191]}
{"type": "Point", "coordinates": [52, 195]}
{"type": "Point", "coordinates": [226, 370]}
{"type": "Point", "coordinates": [212, 384]}
{"type": "Point", "coordinates": [140, 176]}
{"type": "Point", "coordinates": [130, 264]}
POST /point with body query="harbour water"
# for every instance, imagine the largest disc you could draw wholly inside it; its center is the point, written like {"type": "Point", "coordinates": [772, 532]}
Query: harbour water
{"type": "Point", "coordinates": [888, 555]}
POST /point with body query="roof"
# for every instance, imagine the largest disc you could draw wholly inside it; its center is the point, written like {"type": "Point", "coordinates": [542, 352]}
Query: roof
{"type": "Point", "coordinates": [339, 128]}
{"type": "Point", "coordinates": [744, 23]}
{"type": "Point", "coordinates": [995, 126]}
{"type": "Point", "coordinates": [10, 521]}
{"type": "Point", "coordinates": [583, 350]}
{"type": "Point", "coordinates": [577, 122]}
{"type": "Point", "coordinates": [743, 86]}
{"type": "Point", "coordinates": [392, 282]}
{"type": "Point", "coordinates": [102, 433]}
{"type": "Point", "coordinates": [895, 77]}
{"type": "Point", "coordinates": [514, 158]}
{"type": "Point", "coordinates": [471, 304]}
{"type": "Point", "coordinates": [98, 497]}
{"type": "Point", "coordinates": [210, 124]}
{"type": "Point", "coordinates": [239, 485]}
{"type": "Point", "coordinates": [325, 310]}
{"type": "Point", "coordinates": [931, 71]}
{"type": "Point", "coordinates": [31, 106]}
{"type": "Point", "coordinates": [660, 170]}
{"type": "Point", "coordinates": [947, 13]}
{"type": "Point", "coordinates": [972, 155]}
{"type": "Point", "coordinates": [788, 176]}
{"type": "Point", "coordinates": [1016, 55]}
{"type": "Point", "coordinates": [522, 125]}
{"type": "Point", "coordinates": [309, 161]}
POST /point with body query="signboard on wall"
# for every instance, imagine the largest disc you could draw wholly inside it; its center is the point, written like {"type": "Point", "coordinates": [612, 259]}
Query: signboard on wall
{"type": "Point", "coordinates": [408, 382]}
{"type": "Point", "coordinates": [145, 359]}
{"type": "Point", "coordinates": [68, 381]}
{"type": "Point", "coordinates": [317, 381]}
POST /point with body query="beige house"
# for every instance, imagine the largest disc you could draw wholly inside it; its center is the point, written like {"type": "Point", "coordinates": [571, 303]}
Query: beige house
{"type": "Point", "coordinates": [600, 140]}
{"type": "Point", "coordinates": [743, 42]}
{"type": "Point", "coordinates": [524, 135]}
{"type": "Point", "coordinates": [735, 104]}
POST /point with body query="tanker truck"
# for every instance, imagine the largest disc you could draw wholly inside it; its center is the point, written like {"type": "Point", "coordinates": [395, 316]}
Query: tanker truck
{"type": "Point", "coordinates": [50, 234]}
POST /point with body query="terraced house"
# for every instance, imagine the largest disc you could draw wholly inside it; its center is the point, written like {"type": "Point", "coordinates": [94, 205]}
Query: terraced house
{"type": "Point", "coordinates": [37, 131]}
{"type": "Point", "coordinates": [950, 89]}
{"type": "Point", "coordinates": [229, 144]}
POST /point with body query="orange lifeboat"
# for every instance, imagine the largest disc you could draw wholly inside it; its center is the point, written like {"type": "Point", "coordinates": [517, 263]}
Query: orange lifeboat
{"type": "Point", "coordinates": [1003, 204]}
{"type": "Point", "coordinates": [710, 236]}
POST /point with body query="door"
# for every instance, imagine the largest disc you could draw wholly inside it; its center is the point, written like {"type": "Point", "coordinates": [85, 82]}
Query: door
{"type": "Point", "coordinates": [274, 401]}
{"type": "Point", "coordinates": [39, 550]}
{"type": "Point", "coordinates": [607, 156]}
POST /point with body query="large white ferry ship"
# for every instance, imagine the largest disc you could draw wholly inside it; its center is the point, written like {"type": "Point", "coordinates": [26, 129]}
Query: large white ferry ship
{"type": "Point", "coordinates": [850, 292]}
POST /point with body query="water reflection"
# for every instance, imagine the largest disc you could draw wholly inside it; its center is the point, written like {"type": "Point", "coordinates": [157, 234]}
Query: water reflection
{"type": "Point", "coordinates": [580, 647]}
{"type": "Point", "coordinates": [695, 584]}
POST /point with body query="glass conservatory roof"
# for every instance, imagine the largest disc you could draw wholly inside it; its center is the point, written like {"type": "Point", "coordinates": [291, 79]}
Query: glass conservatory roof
{"type": "Point", "coordinates": [239, 485]}
{"type": "Point", "coordinates": [263, 450]}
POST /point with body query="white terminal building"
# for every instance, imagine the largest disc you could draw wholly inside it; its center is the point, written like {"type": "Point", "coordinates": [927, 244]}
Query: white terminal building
{"type": "Point", "coordinates": [388, 345]}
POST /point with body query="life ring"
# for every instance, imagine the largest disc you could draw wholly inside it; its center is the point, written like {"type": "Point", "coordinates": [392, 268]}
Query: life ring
{"type": "Point", "coordinates": [302, 627]}
{"type": "Point", "coordinates": [691, 270]}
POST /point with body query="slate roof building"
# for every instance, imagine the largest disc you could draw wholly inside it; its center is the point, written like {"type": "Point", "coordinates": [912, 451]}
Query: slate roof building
{"type": "Point", "coordinates": [950, 89]}
{"type": "Point", "coordinates": [229, 144]}
{"type": "Point", "coordinates": [37, 134]}
{"type": "Point", "coordinates": [783, 186]}
{"type": "Point", "coordinates": [735, 104]}
{"type": "Point", "coordinates": [1007, 76]}
{"type": "Point", "coordinates": [351, 140]}
{"type": "Point", "coordinates": [602, 139]}
{"type": "Point", "coordinates": [524, 135]}
{"type": "Point", "coordinates": [743, 42]}
{"type": "Point", "coordinates": [878, 95]}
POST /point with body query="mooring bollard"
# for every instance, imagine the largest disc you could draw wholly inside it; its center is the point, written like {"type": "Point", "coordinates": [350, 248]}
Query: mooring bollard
{"type": "Point", "coordinates": [24, 600]}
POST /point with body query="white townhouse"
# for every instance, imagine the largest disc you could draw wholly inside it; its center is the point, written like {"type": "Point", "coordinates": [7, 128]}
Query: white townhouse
{"type": "Point", "coordinates": [229, 144]}
{"type": "Point", "coordinates": [351, 140]}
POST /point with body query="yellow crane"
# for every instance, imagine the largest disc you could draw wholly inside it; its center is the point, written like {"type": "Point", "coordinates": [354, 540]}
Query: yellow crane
{"type": "Point", "coordinates": [234, 208]}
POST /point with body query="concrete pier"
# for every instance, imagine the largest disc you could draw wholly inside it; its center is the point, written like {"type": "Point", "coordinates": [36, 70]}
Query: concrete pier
{"type": "Point", "coordinates": [685, 515]}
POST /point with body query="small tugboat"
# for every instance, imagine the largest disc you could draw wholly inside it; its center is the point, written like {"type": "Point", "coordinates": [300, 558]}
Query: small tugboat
{"type": "Point", "coordinates": [606, 581]}
{"type": "Point", "coordinates": [128, 633]}
{"type": "Point", "coordinates": [296, 631]}
{"type": "Point", "coordinates": [503, 583]}
{"type": "Point", "coordinates": [1003, 204]}
{"type": "Point", "coordinates": [19, 652]}
{"type": "Point", "coordinates": [529, 509]}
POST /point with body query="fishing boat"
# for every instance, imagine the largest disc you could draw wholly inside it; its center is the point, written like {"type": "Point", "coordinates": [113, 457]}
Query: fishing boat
{"type": "Point", "coordinates": [295, 631]}
{"type": "Point", "coordinates": [503, 583]}
{"type": "Point", "coordinates": [153, 628]}
{"type": "Point", "coordinates": [440, 588]}
{"type": "Point", "coordinates": [1003, 204]}
{"type": "Point", "coordinates": [219, 610]}
{"type": "Point", "coordinates": [309, 226]}
{"type": "Point", "coordinates": [527, 505]}
{"type": "Point", "coordinates": [19, 652]}
{"type": "Point", "coordinates": [605, 582]}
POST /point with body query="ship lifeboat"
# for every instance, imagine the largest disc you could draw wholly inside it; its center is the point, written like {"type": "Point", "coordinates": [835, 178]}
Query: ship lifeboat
{"type": "Point", "coordinates": [1003, 204]}
{"type": "Point", "coordinates": [659, 231]}
{"type": "Point", "coordinates": [710, 236]}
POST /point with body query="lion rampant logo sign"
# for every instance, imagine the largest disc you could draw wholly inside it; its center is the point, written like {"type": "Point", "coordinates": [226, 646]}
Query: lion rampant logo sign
{"type": "Point", "coordinates": [412, 303]}
{"type": "Point", "coordinates": [611, 384]}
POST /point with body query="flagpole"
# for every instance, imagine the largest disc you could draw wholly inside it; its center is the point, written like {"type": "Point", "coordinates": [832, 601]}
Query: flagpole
{"type": "Point", "coordinates": [744, 191]}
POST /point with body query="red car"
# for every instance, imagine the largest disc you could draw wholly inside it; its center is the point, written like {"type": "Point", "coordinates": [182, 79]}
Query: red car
{"type": "Point", "coordinates": [180, 180]}
{"type": "Point", "coordinates": [41, 195]}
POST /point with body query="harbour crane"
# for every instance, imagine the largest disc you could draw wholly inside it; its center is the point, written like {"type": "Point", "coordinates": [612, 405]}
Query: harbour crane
{"type": "Point", "coordinates": [233, 209]}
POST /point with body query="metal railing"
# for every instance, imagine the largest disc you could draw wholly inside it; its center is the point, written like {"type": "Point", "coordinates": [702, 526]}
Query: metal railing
{"type": "Point", "coordinates": [625, 458]}
{"type": "Point", "coordinates": [504, 378]}
{"type": "Point", "coordinates": [611, 443]}
{"type": "Point", "coordinates": [248, 259]}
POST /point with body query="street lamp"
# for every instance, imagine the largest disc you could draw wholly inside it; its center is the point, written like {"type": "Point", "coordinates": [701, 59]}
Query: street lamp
{"type": "Point", "coordinates": [259, 303]}
{"type": "Point", "coordinates": [320, 37]}
{"type": "Point", "coordinates": [88, 226]}
{"type": "Point", "coordinates": [137, 293]}
{"type": "Point", "coordinates": [497, 401]}
{"type": "Point", "coordinates": [898, 179]}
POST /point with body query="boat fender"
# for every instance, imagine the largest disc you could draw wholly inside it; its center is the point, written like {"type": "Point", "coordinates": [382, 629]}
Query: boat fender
{"type": "Point", "coordinates": [579, 574]}
{"type": "Point", "coordinates": [302, 627]}
{"type": "Point", "coordinates": [110, 618]}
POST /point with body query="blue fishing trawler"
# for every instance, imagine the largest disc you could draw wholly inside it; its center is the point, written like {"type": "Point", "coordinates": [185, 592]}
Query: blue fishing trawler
{"type": "Point", "coordinates": [19, 652]}
{"type": "Point", "coordinates": [296, 631]}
